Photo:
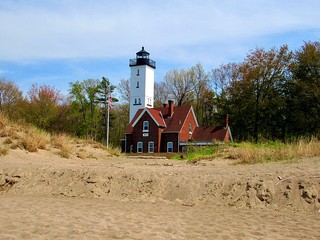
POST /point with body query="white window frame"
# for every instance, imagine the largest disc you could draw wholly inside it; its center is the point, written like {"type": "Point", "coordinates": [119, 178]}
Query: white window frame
{"type": "Point", "coordinates": [169, 143]}
{"type": "Point", "coordinates": [139, 143]}
{"type": "Point", "coordinates": [131, 148]}
{"type": "Point", "coordinates": [145, 124]}
{"type": "Point", "coordinates": [151, 147]}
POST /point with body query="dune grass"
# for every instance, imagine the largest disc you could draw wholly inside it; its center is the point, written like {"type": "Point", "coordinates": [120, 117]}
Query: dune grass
{"type": "Point", "coordinates": [25, 136]}
{"type": "Point", "coordinates": [250, 153]}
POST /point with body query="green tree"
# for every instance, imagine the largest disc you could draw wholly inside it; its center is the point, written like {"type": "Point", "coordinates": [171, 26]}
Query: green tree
{"type": "Point", "coordinates": [304, 91]}
{"type": "Point", "coordinates": [104, 98]}
{"type": "Point", "coordinates": [84, 96]}
{"type": "Point", "coordinates": [256, 98]}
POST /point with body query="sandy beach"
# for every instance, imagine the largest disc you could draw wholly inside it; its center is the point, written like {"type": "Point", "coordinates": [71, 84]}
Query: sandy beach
{"type": "Point", "coordinates": [43, 196]}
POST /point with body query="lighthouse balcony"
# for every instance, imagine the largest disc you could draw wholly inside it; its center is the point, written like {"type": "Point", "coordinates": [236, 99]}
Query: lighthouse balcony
{"type": "Point", "coordinates": [142, 61]}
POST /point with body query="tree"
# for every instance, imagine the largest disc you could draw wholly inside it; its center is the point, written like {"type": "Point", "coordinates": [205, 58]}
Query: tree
{"type": "Point", "coordinates": [105, 88]}
{"type": "Point", "coordinates": [222, 77]}
{"type": "Point", "coordinates": [83, 95]}
{"type": "Point", "coordinates": [10, 96]}
{"type": "Point", "coordinates": [200, 81]}
{"type": "Point", "coordinates": [160, 94]}
{"type": "Point", "coordinates": [124, 90]}
{"type": "Point", "coordinates": [178, 84]}
{"type": "Point", "coordinates": [43, 105]}
{"type": "Point", "coordinates": [257, 97]}
{"type": "Point", "coordinates": [304, 91]}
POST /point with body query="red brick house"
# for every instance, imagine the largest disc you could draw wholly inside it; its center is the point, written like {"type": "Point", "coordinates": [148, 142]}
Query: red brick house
{"type": "Point", "coordinates": [170, 129]}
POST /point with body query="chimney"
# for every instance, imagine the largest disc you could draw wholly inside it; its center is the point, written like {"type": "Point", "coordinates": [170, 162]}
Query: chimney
{"type": "Point", "coordinates": [226, 121]}
{"type": "Point", "coordinates": [165, 105]}
{"type": "Point", "coordinates": [171, 105]}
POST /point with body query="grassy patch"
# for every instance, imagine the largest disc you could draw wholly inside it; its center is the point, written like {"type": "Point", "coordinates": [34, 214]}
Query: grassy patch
{"type": "Point", "coordinates": [4, 149]}
{"type": "Point", "coordinates": [250, 153]}
{"type": "Point", "coordinates": [62, 142]}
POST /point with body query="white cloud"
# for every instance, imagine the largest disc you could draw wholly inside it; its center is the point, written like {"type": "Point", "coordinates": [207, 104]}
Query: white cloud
{"type": "Point", "coordinates": [176, 29]}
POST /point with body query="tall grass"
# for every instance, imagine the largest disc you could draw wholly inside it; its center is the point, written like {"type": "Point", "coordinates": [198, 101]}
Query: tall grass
{"type": "Point", "coordinates": [250, 153]}
{"type": "Point", "coordinates": [21, 135]}
{"type": "Point", "coordinates": [275, 151]}
{"type": "Point", "coordinates": [63, 143]}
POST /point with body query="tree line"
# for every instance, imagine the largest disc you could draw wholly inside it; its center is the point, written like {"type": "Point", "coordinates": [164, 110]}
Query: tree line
{"type": "Point", "coordinates": [271, 95]}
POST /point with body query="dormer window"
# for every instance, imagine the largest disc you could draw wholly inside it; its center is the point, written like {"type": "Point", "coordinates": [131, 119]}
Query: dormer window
{"type": "Point", "coordinates": [190, 128]}
{"type": "Point", "coordinates": [145, 126]}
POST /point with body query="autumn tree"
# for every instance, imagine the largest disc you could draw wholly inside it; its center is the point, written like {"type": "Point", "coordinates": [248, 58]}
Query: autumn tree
{"type": "Point", "coordinates": [43, 105]}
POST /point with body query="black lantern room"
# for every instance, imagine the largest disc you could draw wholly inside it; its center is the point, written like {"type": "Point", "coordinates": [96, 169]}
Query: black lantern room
{"type": "Point", "coordinates": [142, 58]}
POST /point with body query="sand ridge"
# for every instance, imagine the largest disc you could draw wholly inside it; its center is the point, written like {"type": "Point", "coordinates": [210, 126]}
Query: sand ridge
{"type": "Point", "coordinates": [43, 196]}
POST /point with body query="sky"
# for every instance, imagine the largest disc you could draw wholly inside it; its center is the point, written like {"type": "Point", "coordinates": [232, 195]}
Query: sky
{"type": "Point", "coordinates": [55, 42]}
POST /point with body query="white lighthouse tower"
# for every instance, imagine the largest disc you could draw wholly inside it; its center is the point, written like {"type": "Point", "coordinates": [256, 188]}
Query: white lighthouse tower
{"type": "Point", "coordinates": [141, 82]}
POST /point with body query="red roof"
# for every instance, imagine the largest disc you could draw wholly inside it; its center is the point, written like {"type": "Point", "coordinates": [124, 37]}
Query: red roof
{"type": "Point", "coordinates": [175, 122]}
{"type": "Point", "coordinates": [157, 116]}
{"type": "Point", "coordinates": [130, 127]}
{"type": "Point", "coordinates": [209, 134]}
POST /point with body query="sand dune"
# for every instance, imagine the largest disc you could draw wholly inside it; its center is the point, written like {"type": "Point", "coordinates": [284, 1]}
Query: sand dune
{"type": "Point", "coordinates": [43, 196]}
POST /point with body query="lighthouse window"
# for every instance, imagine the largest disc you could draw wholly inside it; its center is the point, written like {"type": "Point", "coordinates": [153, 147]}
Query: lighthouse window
{"type": "Point", "coordinates": [137, 84]}
{"type": "Point", "coordinates": [139, 100]}
{"type": "Point", "coordinates": [135, 101]}
{"type": "Point", "coordinates": [138, 72]}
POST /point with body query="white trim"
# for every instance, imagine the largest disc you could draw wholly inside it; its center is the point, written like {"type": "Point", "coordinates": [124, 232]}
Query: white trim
{"type": "Point", "coordinates": [194, 116]}
{"type": "Point", "coordinates": [229, 130]}
{"type": "Point", "coordinates": [141, 114]}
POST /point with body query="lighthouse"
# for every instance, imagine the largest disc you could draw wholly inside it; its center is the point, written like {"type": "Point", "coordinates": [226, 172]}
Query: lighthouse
{"type": "Point", "coordinates": [141, 82]}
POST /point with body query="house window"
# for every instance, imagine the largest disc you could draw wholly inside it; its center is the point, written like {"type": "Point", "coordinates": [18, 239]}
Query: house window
{"type": "Point", "coordinates": [145, 126]}
{"type": "Point", "coordinates": [137, 84]}
{"type": "Point", "coordinates": [170, 147]}
{"type": "Point", "coordinates": [131, 148]}
{"type": "Point", "coordinates": [151, 147]}
{"type": "Point", "coordinates": [139, 147]}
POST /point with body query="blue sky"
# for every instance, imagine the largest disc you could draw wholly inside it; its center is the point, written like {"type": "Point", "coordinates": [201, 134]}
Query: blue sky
{"type": "Point", "coordinates": [56, 42]}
